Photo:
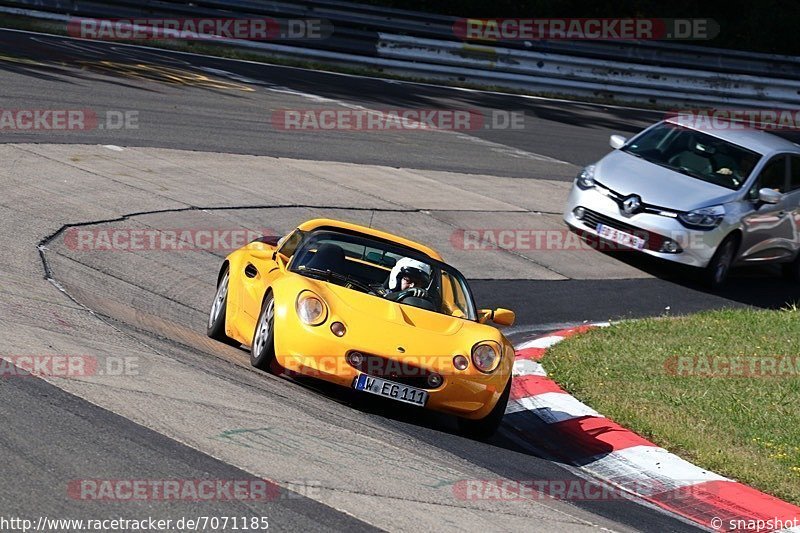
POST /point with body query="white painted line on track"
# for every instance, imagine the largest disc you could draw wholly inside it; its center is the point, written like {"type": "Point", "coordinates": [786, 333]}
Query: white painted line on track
{"type": "Point", "coordinates": [526, 367]}
{"type": "Point", "coordinates": [552, 407]}
{"type": "Point", "coordinates": [543, 342]}
{"type": "Point", "coordinates": [649, 470]}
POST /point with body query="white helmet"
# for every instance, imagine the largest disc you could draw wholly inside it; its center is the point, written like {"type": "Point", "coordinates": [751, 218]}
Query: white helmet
{"type": "Point", "coordinates": [406, 266]}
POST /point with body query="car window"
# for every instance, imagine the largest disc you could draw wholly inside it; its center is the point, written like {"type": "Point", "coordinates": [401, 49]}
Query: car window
{"type": "Point", "coordinates": [794, 175]}
{"type": "Point", "coordinates": [289, 244]}
{"type": "Point", "coordinates": [659, 143]}
{"type": "Point", "coordinates": [363, 252]}
{"type": "Point", "coordinates": [453, 296]}
{"type": "Point", "coordinates": [772, 176]}
{"type": "Point", "coordinates": [695, 154]}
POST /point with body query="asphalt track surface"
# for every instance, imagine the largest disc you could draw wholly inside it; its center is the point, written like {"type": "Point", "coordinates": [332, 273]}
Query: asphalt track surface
{"type": "Point", "coordinates": [197, 410]}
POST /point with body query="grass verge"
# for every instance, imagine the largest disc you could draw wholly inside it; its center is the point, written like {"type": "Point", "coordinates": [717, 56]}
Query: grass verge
{"type": "Point", "coordinates": [719, 388]}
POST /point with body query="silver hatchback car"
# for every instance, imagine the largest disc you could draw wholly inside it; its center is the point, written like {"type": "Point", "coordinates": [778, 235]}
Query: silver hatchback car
{"type": "Point", "coordinates": [706, 198]}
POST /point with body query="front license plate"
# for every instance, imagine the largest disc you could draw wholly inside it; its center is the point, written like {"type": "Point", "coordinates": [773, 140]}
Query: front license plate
{"type": "Point", "coordinates": [390, 389]}
{"type": "Point", "coordinates": [620, 237]}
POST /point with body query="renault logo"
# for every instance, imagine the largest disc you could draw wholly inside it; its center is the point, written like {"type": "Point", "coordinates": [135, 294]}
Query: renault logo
{"type": "Point", "coordinates": [631, 204]}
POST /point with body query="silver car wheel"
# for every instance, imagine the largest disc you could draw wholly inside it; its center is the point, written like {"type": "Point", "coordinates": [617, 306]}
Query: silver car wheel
{"type": "Point", "coordinates": [263, 328]}
{"type": "Point", "coordinates": [219, 301]}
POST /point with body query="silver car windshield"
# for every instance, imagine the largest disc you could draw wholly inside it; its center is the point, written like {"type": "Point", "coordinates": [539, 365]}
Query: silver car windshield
{"type": "Point", "coordinates": [695, 154]}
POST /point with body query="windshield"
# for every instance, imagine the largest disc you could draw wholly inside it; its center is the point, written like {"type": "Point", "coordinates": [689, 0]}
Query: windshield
{"type": "Point", "coordinates": [366, 264]}
{"type": "Point", "coordinates": [695, 154]}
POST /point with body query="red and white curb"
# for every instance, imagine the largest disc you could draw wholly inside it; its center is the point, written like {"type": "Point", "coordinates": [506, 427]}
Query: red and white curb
{"type": "Point", "coordinates": [623, 459]}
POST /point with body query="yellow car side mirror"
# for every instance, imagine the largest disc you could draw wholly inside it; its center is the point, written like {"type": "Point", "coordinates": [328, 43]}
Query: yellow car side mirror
{"type": "Point", "coordinates": [500, 316]}
{"type": "Point", "coordinates": [504, 317]}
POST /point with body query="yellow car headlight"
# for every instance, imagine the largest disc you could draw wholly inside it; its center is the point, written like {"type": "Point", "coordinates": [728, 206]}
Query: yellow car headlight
{"type": "Point", "coordinates": [311, 309]}
{"type": "Point", "coordinates": [486, 356]}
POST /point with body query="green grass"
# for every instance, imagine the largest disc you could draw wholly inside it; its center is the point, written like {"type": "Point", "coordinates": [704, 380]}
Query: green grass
{"type": "Point", "coordinates": [746, 428]}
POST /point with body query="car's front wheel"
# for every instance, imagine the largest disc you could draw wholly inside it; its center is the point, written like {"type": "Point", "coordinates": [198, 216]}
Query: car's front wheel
{"type": "Point", "coordinates": [216, 316]}
{"type": "Point", "coordinates": [716, 273]}
{"type": "Point", "coordinates": [485, 427]}
{"type": "Point", "coordinates": [262, 351]}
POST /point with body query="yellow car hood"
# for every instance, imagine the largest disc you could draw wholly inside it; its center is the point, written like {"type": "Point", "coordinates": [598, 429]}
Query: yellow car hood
{"type": "Point", "coordinates": [374, 307]}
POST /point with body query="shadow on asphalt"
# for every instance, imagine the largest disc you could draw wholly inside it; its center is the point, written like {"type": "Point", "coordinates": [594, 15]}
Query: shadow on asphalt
{"type": "Point", "coordinates": [757, 286]}
{"type": "Point", "coordinates": [673, 290]}
{"type": "Point", "coordinates": [68, 61]}
{"type": "Point", "coordinates": [521, 432]}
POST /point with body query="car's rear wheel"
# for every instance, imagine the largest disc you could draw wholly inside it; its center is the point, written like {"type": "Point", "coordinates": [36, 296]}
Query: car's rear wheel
{"type": "Point", "coordinates": [716, 273]}
{"type": "Point", "coordinates": [216, 316]}
{"type": "Point", "coordinates": [485, 427]}
{"type": "Point", "coordinates": [262, 352]}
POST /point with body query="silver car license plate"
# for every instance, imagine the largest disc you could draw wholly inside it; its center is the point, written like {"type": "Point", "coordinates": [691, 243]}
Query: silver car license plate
{"type": "Point", "coordinates": [390, 389]}
{"type": "Point", "coordinates": [620, 237]}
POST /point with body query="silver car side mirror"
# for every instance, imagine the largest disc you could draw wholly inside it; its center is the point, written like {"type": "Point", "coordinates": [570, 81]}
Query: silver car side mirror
{"type": "Point", "coordinates": [769, 196]}
{"type": "Point", "coordinates": [617, 141]}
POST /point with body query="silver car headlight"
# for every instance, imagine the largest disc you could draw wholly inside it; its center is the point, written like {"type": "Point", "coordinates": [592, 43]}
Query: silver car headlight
{"type": "Point", "coordinates": [311, 309]}
{"type": "Point", "coordinates": [703, 218]}
{"type": "Point", "coordinates": [585, 180]}
{"type": "Point", "coordinates": [486, 356]}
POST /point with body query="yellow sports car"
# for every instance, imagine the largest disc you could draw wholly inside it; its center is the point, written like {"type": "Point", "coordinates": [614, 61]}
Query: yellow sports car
{"type": "Point", "coordinates": [371, 311]}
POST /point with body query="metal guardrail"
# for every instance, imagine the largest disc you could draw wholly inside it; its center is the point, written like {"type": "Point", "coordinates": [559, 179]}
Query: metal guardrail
{"type": "Point", "coordinates": [425, 46]}
{"type": "Point", "coordinates": [347, 15]}
{"type": "Point", "coordinates": [708, 85]}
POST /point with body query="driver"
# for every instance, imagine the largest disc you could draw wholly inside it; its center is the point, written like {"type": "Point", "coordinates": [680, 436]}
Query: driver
{"type": "Point", "coordinates": [408, 277]}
